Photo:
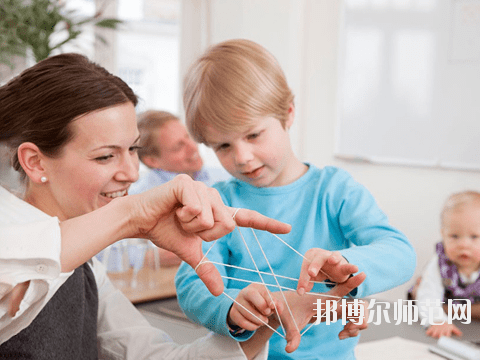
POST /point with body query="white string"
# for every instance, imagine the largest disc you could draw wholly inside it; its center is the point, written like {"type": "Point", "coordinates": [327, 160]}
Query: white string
{"type": "Point", "coordinates": [267, 273]}
{"type": "Point", "coordinates": [203, 261]}
{"type": "Point", "coordinates": [276, 286]}
{"type": "Point", "coordinates": [276, 280]}
{"type": "Point", "coordinates": [261, 278]}
{"type": "Point", "coordinates": [235, 213]}
{"type": "Point", "coordinates": [204, 256]}
{"type": "Point", "coordinates": [278, 237]}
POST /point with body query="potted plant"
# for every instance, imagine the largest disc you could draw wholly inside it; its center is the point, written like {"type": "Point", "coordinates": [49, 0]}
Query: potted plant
{"type": "Point", "coordinates": [32, 25]}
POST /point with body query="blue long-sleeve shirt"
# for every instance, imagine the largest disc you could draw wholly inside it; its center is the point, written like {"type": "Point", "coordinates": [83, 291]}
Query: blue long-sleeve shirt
{"type": "Point", "coordinates": [327, 209]}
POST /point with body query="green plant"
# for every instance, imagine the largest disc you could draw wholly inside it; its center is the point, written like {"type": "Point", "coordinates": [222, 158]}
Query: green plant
{"type": "Point", "coordinates": [31, 24]}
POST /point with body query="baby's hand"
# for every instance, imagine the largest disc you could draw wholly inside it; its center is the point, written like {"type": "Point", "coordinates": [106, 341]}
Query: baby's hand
{"type": "Point", "coordinates": [256, 299]}
{"type": "Point", "coordinates": [445, 329]}
{"type": "Point", "coordinates": [319, 265]}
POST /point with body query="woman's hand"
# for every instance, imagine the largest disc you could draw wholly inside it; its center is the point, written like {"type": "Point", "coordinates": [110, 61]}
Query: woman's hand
{"type": "Point", "coordinates": [178, 215]}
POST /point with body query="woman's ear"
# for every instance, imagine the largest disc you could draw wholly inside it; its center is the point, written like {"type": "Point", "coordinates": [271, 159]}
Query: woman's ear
{"type": "Point", "coordinates": [291, 116]}
{"type": "Point", "coordinates": [30, 158]}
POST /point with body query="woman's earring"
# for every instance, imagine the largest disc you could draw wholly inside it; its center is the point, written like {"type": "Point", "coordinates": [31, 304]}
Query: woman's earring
{"type": "Point", "coordinates": [43, 179]}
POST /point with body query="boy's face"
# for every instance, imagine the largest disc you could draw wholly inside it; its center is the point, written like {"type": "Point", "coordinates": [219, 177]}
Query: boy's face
{"type": "Point", "coordinates": [261, 156]}
{"type": "Point", "coordinates": [461, 237]}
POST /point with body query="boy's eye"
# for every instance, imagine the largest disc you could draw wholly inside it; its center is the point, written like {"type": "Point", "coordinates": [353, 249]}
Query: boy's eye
{"type": "Point", "coordinates": [454, 236]}
{"type": "Point", "coordinates": [222, 147]}
{"type": "Point", "coordinates": [253, 136]}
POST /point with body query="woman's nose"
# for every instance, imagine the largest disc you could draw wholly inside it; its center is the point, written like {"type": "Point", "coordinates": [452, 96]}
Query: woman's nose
{"type": "Point", "coordinates": [129, 169]}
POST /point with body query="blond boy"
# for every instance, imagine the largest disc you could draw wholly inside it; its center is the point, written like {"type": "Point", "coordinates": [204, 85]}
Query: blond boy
{"type": "Point", "coordinates": [238, 102]}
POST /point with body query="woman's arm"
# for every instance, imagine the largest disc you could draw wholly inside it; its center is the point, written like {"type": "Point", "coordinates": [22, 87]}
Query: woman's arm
{"type": "Point", "coordinates": [176, 216]}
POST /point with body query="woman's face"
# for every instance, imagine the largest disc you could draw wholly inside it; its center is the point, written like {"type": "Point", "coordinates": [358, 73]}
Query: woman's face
{"type": "Point", "coordinates": [96, 166]}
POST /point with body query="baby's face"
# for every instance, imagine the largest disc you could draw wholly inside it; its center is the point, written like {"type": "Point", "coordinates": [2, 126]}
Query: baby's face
{"type": "Point", "coordinates": [461, 237]}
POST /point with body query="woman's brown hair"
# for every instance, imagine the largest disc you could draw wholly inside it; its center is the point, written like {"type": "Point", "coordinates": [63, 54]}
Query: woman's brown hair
{"type": "Point", "coordinates": [39, 104]}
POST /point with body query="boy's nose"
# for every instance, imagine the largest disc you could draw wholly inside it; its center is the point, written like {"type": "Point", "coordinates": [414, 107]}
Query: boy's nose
{"type": "Point", "coordinates": [243, 154]}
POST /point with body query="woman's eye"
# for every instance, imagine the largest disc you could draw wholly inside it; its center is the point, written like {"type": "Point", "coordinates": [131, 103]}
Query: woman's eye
{"type": "Point", "coordinates": [103, 158]}
{"type": "Point", "coordinates": [134, 148]}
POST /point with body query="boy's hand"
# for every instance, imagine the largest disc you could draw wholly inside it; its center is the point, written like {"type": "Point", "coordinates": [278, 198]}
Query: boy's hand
{"type": "Point", "coordinates": [304, 310]}
{"type": "Point", "coordinates": [256, 299]}
{"type": "Point", "coordinates": [321, 265]}
{"type": "Point", "coordinates": [445, 329]}
{"type": "Point", "coordinates": [353, 327]}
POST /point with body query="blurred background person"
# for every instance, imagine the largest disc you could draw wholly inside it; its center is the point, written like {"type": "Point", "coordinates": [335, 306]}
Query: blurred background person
{"type": "Point", "coordinates": [167, 150]}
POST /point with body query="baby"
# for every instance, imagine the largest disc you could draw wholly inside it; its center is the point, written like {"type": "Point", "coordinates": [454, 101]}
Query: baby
{"type": "Point", "coordinates": [453, 272]}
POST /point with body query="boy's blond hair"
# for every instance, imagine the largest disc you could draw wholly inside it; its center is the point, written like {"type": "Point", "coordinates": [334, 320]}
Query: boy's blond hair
{"type": "Point", "coordinates": [458, 200]}
{"type": "Point", "coordinates": [148, 122]}
{"type": "Point", "coordinates": [231, 85]}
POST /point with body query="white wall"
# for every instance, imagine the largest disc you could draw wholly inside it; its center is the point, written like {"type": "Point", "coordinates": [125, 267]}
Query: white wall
{"type": "Point", "coordinates": [303, 35]}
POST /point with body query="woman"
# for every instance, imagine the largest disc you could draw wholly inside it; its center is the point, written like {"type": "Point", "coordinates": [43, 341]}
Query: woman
{"type": "Point", "coordinates": [72, 128]}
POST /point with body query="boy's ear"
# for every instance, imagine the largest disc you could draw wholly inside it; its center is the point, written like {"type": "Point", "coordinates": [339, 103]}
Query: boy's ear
{"type": "Point", "coordinates": [291, 116]}
{"type": "Point", "coordinates": [152, 162]}
{"type": "Point", "coordinates": [31, 160]}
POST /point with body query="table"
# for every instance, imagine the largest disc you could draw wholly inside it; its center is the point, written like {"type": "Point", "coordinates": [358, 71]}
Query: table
{"type": "Point", "coordinates": [405, 341]}
{"type": "Point", "coordinates": [149, 284]}
{"type": "Point", "coordinates": [415, 331]}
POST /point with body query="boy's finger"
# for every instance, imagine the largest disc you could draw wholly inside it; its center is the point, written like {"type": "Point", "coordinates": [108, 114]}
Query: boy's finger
{"type": "Point", "coordinates": [304, 284]}
{"type": "Point", "coordinates": [346, 287]}
{"type": "Point", "coordinates": [247, 319]}
{"type": "Point", "coordinates": [311, 270]}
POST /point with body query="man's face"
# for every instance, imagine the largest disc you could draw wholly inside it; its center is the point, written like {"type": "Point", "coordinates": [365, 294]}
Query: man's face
{"type": "Point", "coordinates": [178, 152]}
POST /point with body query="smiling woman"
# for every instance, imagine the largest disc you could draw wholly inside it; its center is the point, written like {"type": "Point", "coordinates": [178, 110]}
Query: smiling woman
{"type": "Point", "coordinates": [72, 128]}
{"type": "Point", "coordinates": [103, 149]}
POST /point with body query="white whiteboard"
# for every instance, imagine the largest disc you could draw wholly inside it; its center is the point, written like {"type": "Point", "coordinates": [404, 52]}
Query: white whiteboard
{"type": "Point", "coordinates": [409, 82]}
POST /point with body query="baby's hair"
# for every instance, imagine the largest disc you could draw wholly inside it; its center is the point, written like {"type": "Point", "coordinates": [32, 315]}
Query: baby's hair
{"type": "Point", "coordinates": [458, 200]}
{"type": "Point", "coordinates": [148, 122]}
{"type": "Point", "coordinates": [233, 84]}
